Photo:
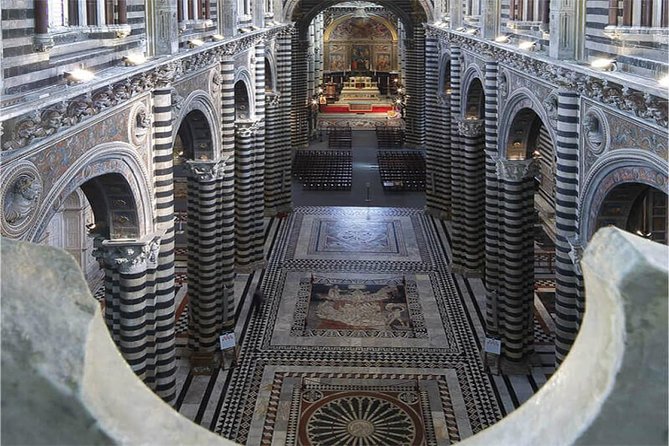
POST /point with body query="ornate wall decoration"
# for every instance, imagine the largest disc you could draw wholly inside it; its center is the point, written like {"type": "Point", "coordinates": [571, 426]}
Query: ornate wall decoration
{"type": "Point", "coordinates": [39, 122]}
{"type": "Point", "coordinates": [503, 85]}
{"type": "Point", "coordinates": [595, 131]}
{"type": "Point", "coordinates": [651, 108]}
{"type": "Point", "coordinates": [215, 81]}
{"type": "Point", "coordinates": [551, 106]}
{"type": "Point", "coordinates": [21, 195]}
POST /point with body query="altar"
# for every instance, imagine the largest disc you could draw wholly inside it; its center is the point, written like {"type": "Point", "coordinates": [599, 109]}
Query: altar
{"type": "Point", "coordinates": [359, 89]}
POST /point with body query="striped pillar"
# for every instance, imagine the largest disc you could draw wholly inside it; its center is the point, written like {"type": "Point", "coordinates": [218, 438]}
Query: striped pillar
{"type": "Point", "coordinates": [415, 86]}
{"type": "Point", "coordinates": [227, 107]}
{"type": "Point", "coordinates": [165, 353]}
{"type": "Point", "coordinates": [566, 201]}
{"type": "Point", "coordinates": [228, 188]}
{"type": "Point", "coordinates": [436, 201]}
{"type": "Point", "coordinates": [246, 239]}
{"type": "Point", "coordinates": [278, 162]}
{"type": "Point", "coordinates": [130, 268]}
{"type": "Point", "coordinates": [299, 125]}
{"type": "Point", "coordinates": [205, 258]}
{"type": "Point", "coordinates": [468, 204]}
{"type": "Point", "coordinates": [227, 223]}
{"type": "Point", "coordinates": [491, 196]}
{"type": "Point", "coordinates": [258, 199]}
{"type": "Point", "coordinates": [516, 234]}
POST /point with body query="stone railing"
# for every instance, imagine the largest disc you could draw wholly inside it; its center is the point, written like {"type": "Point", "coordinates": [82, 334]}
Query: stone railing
{"type": "Point", "coordinates": [64, 381]}
{"type": "Point", "coordinates": [612, 387]}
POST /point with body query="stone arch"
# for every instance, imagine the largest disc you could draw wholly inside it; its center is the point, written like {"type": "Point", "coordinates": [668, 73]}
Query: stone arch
{"type": "Point", "coordinates": [117, 186]}
{"type": "Point", "coordinates": [199, 101]}
{"type": "Point", "coordinates": [270, 73]}
{"type": "Point", "coordinates": [444, 84]}
{"type": "Point", "coordinates": [473, 94]}
{"type": "Point", "coordinates": [244, 105]}
{"type": "Point", "coordinates": [521, 99]}
{"type": "Point", "coordinates": [293, 11]}
{"type": "Point", "coordinates": [625, 166]}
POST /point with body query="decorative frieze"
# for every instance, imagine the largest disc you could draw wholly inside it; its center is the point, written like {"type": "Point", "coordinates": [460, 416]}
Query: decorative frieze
{"type": "Point", "coordinates": [32, 126]}
{"type": "Point", "coordinates": [649, 107]}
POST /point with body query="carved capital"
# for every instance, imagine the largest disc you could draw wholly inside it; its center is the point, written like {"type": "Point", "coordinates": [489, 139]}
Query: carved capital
{"type": "Point", "coordinates": [272, 99]}
{"type": "Point", "coordinates": [516, 170]}
{"type": "Point", "coordinates": [576, 252]}
{"type": "Point", "coordinates": [205, 170]}
{"type": "Point", "coordinates": [247, 128]}
{"type": "Point", "coordinates": [471, 128]}
{"type": "Point", "coordinates": [130, 256]}
{"type": "Point", "coordinates": [42, 43]}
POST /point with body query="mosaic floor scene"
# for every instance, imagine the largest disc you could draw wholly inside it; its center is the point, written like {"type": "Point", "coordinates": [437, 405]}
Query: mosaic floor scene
{"type": "Point", "coordinates": [365, 338]}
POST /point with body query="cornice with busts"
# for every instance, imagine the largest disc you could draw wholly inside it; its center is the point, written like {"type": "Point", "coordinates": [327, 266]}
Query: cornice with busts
{"type": "Point", "coordinates": [646, 106]}
{"type": "Point", "coordinates": [34, 122]}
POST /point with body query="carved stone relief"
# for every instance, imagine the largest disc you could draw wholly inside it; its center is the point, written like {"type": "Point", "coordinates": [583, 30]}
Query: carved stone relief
{"type": "Point", "coordinates": [551, 106]}
{"type": "Point", "coordinates": [139, 124]}
{"type": "Point", "coordinates": [21, 196]}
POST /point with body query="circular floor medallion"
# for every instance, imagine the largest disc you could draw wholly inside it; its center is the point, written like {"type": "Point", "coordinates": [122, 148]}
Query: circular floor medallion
{"type": "Point", "coordinates": [360, 418]}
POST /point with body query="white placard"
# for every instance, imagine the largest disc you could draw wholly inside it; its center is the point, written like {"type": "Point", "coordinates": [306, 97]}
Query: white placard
{"type": "Point", "coordinates": [227, 341]}
{"type": "Point", "coordinates": [493, 346]}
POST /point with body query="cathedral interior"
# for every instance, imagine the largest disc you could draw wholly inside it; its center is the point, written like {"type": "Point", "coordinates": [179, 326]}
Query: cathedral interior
{"type": "Point", "coordinates": [335, 222]}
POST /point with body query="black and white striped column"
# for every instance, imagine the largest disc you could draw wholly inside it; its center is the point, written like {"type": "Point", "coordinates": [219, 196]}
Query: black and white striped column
{"type": "Point", "coordinates": [228, 187]}
{"type": "Point", "coordinates": [278, 159]}
{"type": "Point", "coordinates": [566, 201]}
{"type": "Point", "coordinates": [415, 86]}
{"type": "Point", "coordinates": [516, 284]}
{"type": "Point", "coordinates": [130, 297]}
{"type": "Point", "coordinates": [468, 207]}
{"type": "Point", "coordinates": [246, 215]}
{"type": "Point", "coordinates": [437, 192]}
{"type": "Point", "coordinates": [227, 107]}
{"type": "Point", "coordinates": [299, 124]}
{"type": "Point", "coordinates": [491, 196]}
{"type": "Point", "coordinates": [165, 352]}
{"type": "Point", "coordinates": [258, 193]}
{"type": "Point", "coordinates": [205, 256]}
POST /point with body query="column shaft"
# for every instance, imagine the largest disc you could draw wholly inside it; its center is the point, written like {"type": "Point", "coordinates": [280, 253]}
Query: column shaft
{"type": "Point", "coordinates": [299, 122]}
{"type": "Point", "coordinates": [164, 217]}
{"type": "Point", "coordinates": [516, 284]}
{"type": "Point", "coordinates": [415, 85]}
{"type": "Point", "coordinates": [491, 196]}
{"type": "Point", "coordinates": [468, 204]}
{"type": "Point", "coordinates": [566, 201]}
{"type": "Point", "coordinates": [244, 216]}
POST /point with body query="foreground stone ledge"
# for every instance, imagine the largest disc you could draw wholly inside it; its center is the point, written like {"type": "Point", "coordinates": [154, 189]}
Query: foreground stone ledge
{"type": "Point", "coordinates": [612, 387]}
{"type": "Point", "coordinates": [63, 379]}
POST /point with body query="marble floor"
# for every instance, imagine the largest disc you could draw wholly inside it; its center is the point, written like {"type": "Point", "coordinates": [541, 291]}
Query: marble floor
{"type": "Point", "coordinates": [366, 338]}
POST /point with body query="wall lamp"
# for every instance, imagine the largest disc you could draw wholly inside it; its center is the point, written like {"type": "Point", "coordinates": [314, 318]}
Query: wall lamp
{"type": "Point", "coordinates": [472, 31]}
{"type": "Point", "coordinates": [78, 75]}
{"type": "Point", "coordinates": [133, 59]}
{"type": "Point", "coordinates": [461, 28]}
{"type": "Point", "coordinates": [528, 45]}
{"type": "Point", "coordinates": [502, 39]}
{"type": "Point", "coordinates": [194, 43]}
{"type": "Point", "coordinates": [604, 64]}
{"type": "Point", "coordinates": [664, 81]}
{"type": "Point", "coordinates": [217, 37]}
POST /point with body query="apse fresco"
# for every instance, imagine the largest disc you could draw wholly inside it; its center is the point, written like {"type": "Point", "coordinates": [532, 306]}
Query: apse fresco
{"type": "Point", "coordinates": [361, 29]}
{"type": "Point", "coordinates": [360, 58]}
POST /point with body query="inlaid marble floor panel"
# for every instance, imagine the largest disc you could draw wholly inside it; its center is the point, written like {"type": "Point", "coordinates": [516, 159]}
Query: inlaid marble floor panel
{"type": "Point", "coordinates": [366, 337]}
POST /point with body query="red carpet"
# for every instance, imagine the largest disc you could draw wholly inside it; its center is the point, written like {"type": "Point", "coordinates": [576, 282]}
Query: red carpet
{"type": "Point", "coordinates": [359, 108]}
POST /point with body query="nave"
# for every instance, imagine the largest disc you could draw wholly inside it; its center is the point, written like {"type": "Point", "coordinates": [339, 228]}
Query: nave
{"type": "Point", "coordinates": [363, 324]}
